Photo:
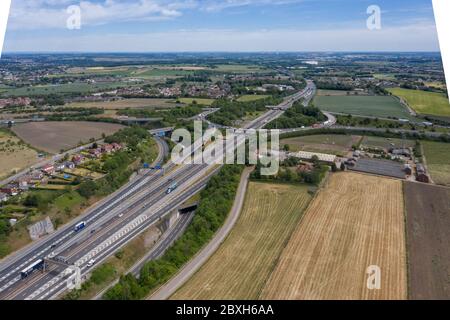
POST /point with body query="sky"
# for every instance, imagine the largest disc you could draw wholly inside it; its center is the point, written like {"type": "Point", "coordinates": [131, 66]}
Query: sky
{"type": "Point", "coordinates": [219, 25]}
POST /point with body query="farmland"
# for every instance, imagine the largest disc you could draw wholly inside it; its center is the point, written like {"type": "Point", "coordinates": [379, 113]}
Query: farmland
{"type": "Point", "coordinates": [355, 222]}
{"type": "Point", "coordinates": [243, 263]}
{"type": "Point", "coordinates": [79, 87]}
{"type": "Point", "coordinates": [201, 101]}
{"type": "Point", "coordinates": [331, 144]}
{"type": "Point", "coordinates": [252, 97]}
{"type": "Point", "coordinates": [336, 93]}
{"type": "Point", "coordinates": [372, 106]}
{"type": "Point", "coordinates": [431, 103]}
{"type": "Point", "coordinates": [14, 154]}
{"type": "Point", "coordinates": [126, 103]}
{"type": "Point", "coordinates": [428, 234]}
{"type": "Point", "coordinates": [55, 136]}
{"type": "Point", "coordinates": [437, 159]}
{"type": "Point", "coordinates": [385, 143]}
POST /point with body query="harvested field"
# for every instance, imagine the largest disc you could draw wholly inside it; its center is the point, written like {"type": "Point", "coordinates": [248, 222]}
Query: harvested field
{"type": "Point", "coordinates": [243, 263]}
{"type": "Point", "coordinates": [55, 136]}
{"type": "Point", "coordinates": [14, 155]}
{"type": "Point", "coordinates": [428, 234]}
{"type": "Point", "coordinates": [357, 221]}
{"type": "Point", "coordinates": [126, 103]}
{"type": "Point", "coordinates": [332, 144]}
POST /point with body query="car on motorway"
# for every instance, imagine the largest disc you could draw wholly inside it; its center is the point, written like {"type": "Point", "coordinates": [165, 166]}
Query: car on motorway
{"type": "Point", "coordinates": [120, 215]}
{"type": "Point", "coordinates": [172, 188]}
{"type": "Point", "coordinates": [91, 263]}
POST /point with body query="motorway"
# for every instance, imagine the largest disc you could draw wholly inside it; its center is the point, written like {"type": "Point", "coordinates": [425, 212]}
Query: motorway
{"type": "Point", "coordinates": [195, 264]}
{"type": "Point", "coordinates": [112, 223]}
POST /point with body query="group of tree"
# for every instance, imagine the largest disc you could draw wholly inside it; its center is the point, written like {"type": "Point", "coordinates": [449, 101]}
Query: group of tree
{"type": "Point", "coordinates": [298, 116]}
{"type": "Point", "coordinates": [231, 110]}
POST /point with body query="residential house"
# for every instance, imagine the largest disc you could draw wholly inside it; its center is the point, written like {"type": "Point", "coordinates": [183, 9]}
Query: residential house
{"type": "Point", "coordinates": [95, 153]}
{"type": "Point", "coordinates": [24, 182]}
{"type": "Point", "coordinates": [107, 148]}
{"type": "Point", "coordinates": [10, 190]}
{"type": "Point", "coordinates": [77, 159]}
{"type": "Point", "coordinates": [116, 146]}
{"type": "Point", "coordinates": [36, 175]}
{"type": "Point", "coordinates": [60, 167]}
{"type": "Point", "coordinates": [3, 197]}
{"type": "Point", "coordinates": [48, 169]}
{"type": "Point", "coordinates": [69, 165]}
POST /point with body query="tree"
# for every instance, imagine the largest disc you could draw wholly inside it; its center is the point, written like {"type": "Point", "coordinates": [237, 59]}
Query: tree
{"type": "Point", "coordinates": [87, 189]}
{"type": "Point", "coordinates": [32, 200]}
{"type": "Point", "coordinates": [333, 167]}
{"type": "Point", "coordinates": [286, 147]}
{"type": "Point", "coordinates": [343, 166]}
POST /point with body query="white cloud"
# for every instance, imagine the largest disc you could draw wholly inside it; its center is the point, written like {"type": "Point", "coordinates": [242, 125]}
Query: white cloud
{"type": "Point", "coordinates": [406, 38]}
{"type": "Point", "coordinates": [48, 14]}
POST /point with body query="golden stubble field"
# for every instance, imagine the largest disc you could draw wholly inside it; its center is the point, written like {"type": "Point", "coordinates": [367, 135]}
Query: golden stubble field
{"type": "Point", "coordinates": [243, 263]}
{"type": "Point", "coordinates": [355, 222]}
{"type": "Point", "coordinates": [14, 155]}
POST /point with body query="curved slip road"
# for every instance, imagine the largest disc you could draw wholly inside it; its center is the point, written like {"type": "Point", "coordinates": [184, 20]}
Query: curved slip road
{"type": "Point", "coordinates": [194, 265]}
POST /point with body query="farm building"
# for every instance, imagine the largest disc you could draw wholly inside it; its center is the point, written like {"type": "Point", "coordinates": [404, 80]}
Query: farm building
{"type": "Point", "coordinates": [408, 169]}
{"type": "Point", "coordinates": [329, 158]}
{"type": "Point", "coordinates": [401, 152]}
{"type": "Point", "coordinates": [422, 175]}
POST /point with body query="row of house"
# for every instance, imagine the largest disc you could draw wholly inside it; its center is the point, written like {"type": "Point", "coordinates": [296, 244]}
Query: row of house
{"type": "Point", "coordinates": [41, 175]}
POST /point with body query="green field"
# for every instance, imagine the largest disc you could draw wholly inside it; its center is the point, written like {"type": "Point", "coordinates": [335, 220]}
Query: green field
{"type": "Point", "coordinates": [437, 155]}
{"type": "Point", "coordinates": [252, 97]}
{"type": "Point", "coordinates": [330, 144]}
{"type": "Point", "coordinates": [238, 68]}
{"type": "Point", "coordinates": [80, 87]}
{"type": "Point", "coordinates": [385, 143]}
{"type": "Point", "coordinates": [424, 102]}
{"type": "Point", "coordinates": [201, 101]}
{"type": "Point", "coordinates": [372, 106]}
{"type": "Point", "coordinates": [68, 200]}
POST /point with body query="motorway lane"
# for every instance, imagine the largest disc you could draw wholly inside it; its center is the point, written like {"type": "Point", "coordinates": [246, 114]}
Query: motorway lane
{"type": "Point", "coordinates": [11, 268]}
{"type": "Point", "coordinates": [141, 205]}
{"type": "Point", "coordinates": [58, 285]}
{"type": "Point", "coordinates": [161, 246]}
{"type": "Point", "coordinates": [200, 258]}
{"type": "Point", "coordinates": [270, 115]}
